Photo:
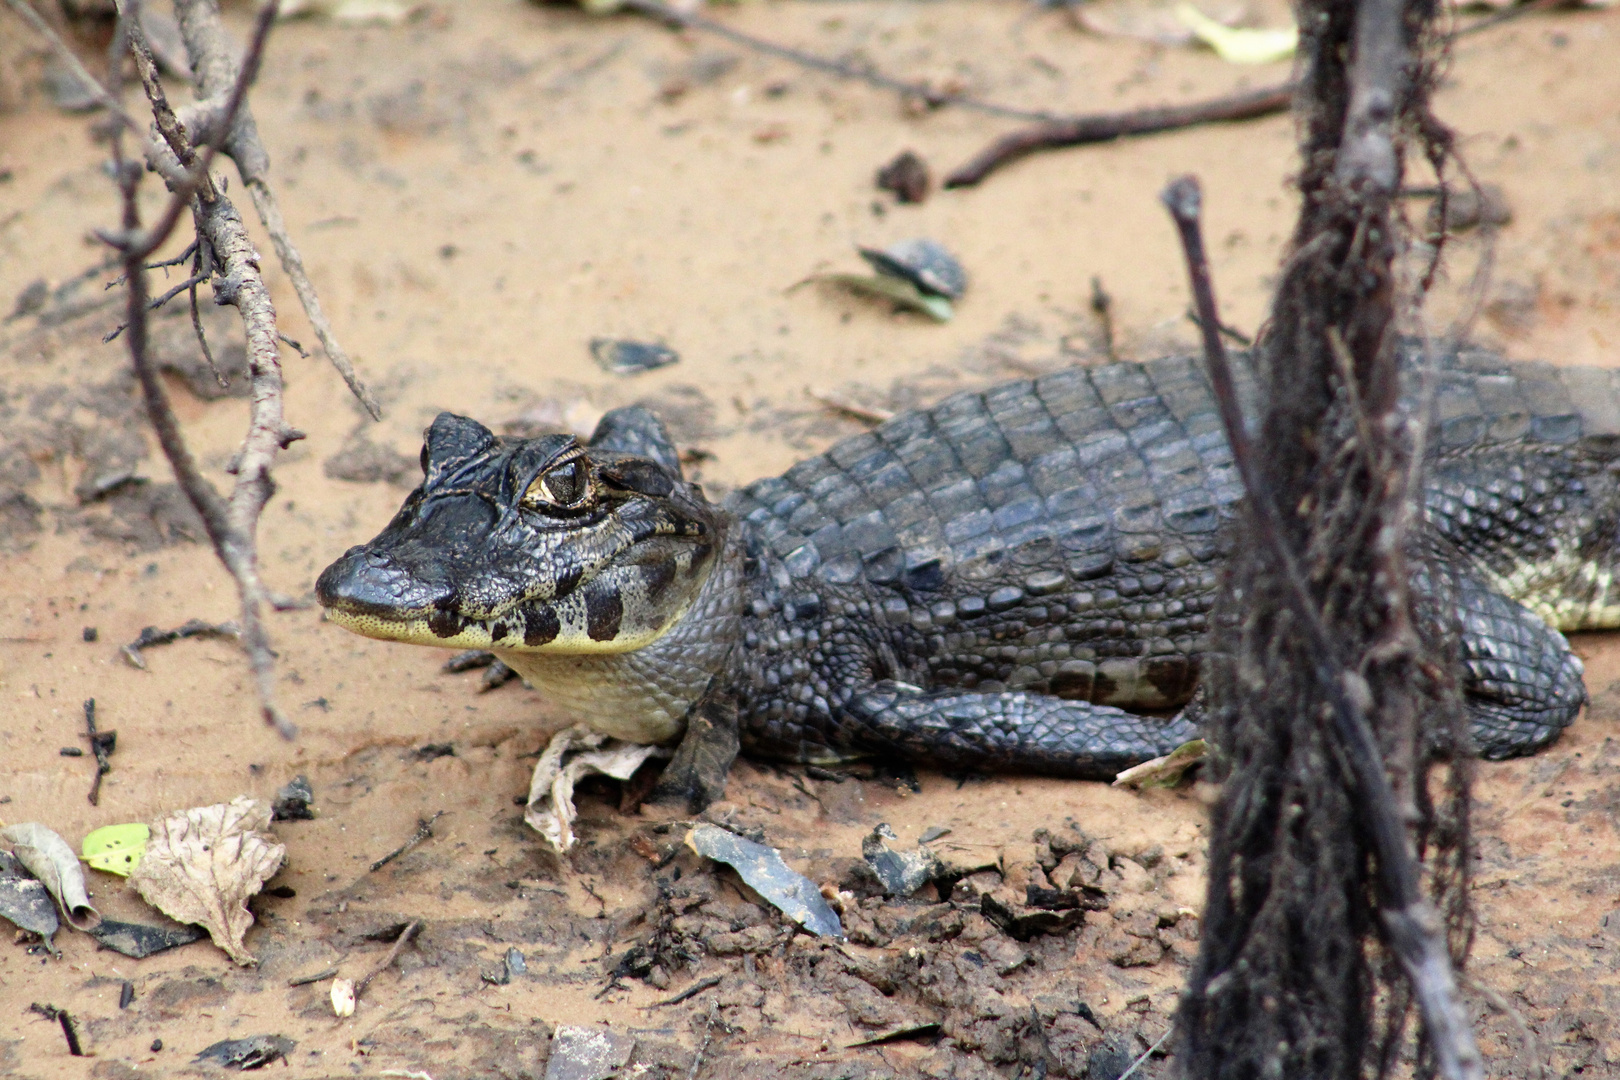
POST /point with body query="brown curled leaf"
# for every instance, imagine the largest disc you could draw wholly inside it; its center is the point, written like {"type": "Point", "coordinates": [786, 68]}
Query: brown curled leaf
{"type": "Point", "coordinates": [49, 858]}
{"type": "Point", "coordinates": [202, 864]}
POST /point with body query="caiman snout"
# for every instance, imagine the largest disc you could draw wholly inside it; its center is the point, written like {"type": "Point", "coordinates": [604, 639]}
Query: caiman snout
{"type": "Point", "coordinates": [370, 583]}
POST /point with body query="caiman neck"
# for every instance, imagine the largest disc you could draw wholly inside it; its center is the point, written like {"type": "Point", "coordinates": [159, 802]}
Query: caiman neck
{"type": "Point", "coordinates": [643, 695]}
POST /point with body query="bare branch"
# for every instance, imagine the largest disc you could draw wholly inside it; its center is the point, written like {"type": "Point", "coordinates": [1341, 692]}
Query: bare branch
{"type": "Point", "coordinates": [209, 48]}
{"type": "Point", "coordinates": [1061, 131]}
{"type": "Point", "coordinates": [223, 247]}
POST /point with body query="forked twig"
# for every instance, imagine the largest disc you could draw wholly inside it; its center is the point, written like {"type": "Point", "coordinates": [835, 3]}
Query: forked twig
{"type": "Point", "coordinates": [238, 136]}
{"type": "Point", "coordinates": [231, 523]}
{"type": "Point", "coordinates": [1415, 930]}
{"type": "Point", "coordinates": [101, 744]}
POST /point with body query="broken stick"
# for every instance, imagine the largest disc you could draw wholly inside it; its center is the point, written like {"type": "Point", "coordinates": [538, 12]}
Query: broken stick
{"type": "Point", "coordinates": [1106, 127]}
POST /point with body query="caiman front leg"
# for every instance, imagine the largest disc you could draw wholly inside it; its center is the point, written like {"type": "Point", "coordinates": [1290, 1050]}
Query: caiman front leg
{"type": "Point", "coordinates": [1013, 731]}
{"type": "Point", "coordinates": [696, 775]}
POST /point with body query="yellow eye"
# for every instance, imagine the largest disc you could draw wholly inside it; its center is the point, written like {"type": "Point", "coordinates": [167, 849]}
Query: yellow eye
{"type": "Point", "coordinates": [567, 486]}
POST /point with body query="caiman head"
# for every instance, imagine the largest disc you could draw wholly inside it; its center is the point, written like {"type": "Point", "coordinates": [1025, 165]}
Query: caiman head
{"type": "Point", "coordinates": [538, 545]}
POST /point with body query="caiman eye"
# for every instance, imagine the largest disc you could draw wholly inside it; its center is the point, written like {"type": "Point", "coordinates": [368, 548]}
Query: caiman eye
{"type": "Point", "coordinates": [565, 487]}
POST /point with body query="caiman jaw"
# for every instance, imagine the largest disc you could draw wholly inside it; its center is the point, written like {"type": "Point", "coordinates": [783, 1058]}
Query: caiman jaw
{"type": "Point", "coordinates": [613, 613]}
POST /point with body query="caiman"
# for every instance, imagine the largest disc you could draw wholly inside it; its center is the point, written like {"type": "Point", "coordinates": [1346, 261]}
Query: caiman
{"type": "Point", "coordinates": [1015, 579]}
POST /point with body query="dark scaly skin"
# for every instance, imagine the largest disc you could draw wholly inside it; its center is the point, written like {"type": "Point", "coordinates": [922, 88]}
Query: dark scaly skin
{"type": "Point", "coordinates": [1021, 578]}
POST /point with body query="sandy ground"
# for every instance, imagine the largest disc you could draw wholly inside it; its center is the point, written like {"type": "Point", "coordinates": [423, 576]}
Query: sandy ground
{"type": "Point", "coordinates": [477, 194]}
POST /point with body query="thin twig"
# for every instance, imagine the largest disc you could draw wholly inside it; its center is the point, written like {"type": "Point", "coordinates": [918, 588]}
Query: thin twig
{"type": "Point", "coordinates": [168, 124]}
{"type": "Point", "coordinates": [305, 980]}
{"type": "Point", "coordinates": [933, 98]}
{"type": "Point", "coordinates": [70, 1031]}
{"type": "Point", "coordinates": [184, 256]}
{"type": "Point", "coordinates": [1415, 931]}
{"type": "Point", "coordinates": [1149, 1052]}
{"type": "Point", "coordinates": [101, 744]}
{"type": "Point", "coordinates": [1102, 306]}
{"type": "Point", "coordinates": [424, 830]}
{"type": "Point", "coordinates": [690, 992]}
{"type": "Point", "coordinates": [703, 1047]}
{"type": "Point", "coordinates": [1105, 127]}
{"type": "Point", "coordinates": [190, 284]}
{"type": "Point", "coordinates": [399, 943]}
{"type": "Point", "coordinates": [871, 414]}
{"type": "Point", "coordinates": [292, 263]}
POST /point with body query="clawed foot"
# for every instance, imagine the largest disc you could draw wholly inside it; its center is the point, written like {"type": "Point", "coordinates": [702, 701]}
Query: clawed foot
{"type": "Point", "coordinates": [496, 673]}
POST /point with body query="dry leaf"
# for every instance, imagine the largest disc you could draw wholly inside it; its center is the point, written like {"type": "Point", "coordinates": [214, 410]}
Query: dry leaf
{"type": "Point", "coordinates": [573, 753]}
{"type": "Point", "coordinates": [202, 864]}
{"type": "Point", "coordinates": [25, 902]}
{"type": "Point", "coordinates": [48, 857]}
{"type": "Point", "coordinates": [898, 290]}
{"type": "Point", "coordinates": [352, 12]}
{"type": "Point", "coordinates": [1240, 45]}
{"type": "Point", "coordinates": [1165, 771]}
{"type": "Point", "coordinates": [761, 866]}
{"type": "Point", "coordinates": [343, 997]}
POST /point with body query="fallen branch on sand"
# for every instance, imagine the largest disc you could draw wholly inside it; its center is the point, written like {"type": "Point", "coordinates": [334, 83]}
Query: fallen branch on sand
{"type": "Point", "coordinates": [1105, 127]}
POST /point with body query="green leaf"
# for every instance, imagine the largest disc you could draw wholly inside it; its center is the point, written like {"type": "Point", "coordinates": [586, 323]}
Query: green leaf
{"type": "Point", "coordinates": [899, 290]}
{"type": "Point", "coordinates": [116, 849]}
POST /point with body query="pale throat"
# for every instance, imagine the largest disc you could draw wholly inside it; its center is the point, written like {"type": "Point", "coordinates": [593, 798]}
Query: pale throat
{"type": "Point", "coordinates": [643, 695]}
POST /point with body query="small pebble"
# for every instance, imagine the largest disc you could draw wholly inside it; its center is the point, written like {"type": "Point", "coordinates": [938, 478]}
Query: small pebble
{"type": "Point", "coordinates": [623, 357]}
{"type": "Point", "coordinates": [91, 633]}
{"type": "Point", "coordinates": [157, 1044]}
{"type": "Point", "coordinates": [906, 176]}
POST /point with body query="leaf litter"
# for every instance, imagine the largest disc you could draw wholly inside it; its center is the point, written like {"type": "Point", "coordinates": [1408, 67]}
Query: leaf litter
{"type": "Point", "coordinates": [917, 274]}
{"type": "Point", "coordinates": [795, 895]}
{"type": "Point", "coordinates": [48, 857]}
{"type": "Point", "coordinates": [573, 754]}
{"type": "Point", "coordinates": [115, 849]}
{"type": "Point", "coordinates": [901, 872]}
{"type": "Point", "coordinates": [254, 1052]}
{"type": "Point", "coordinates": [202, 864]}
{"type": "Point", "coordinates": [25, 901]}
